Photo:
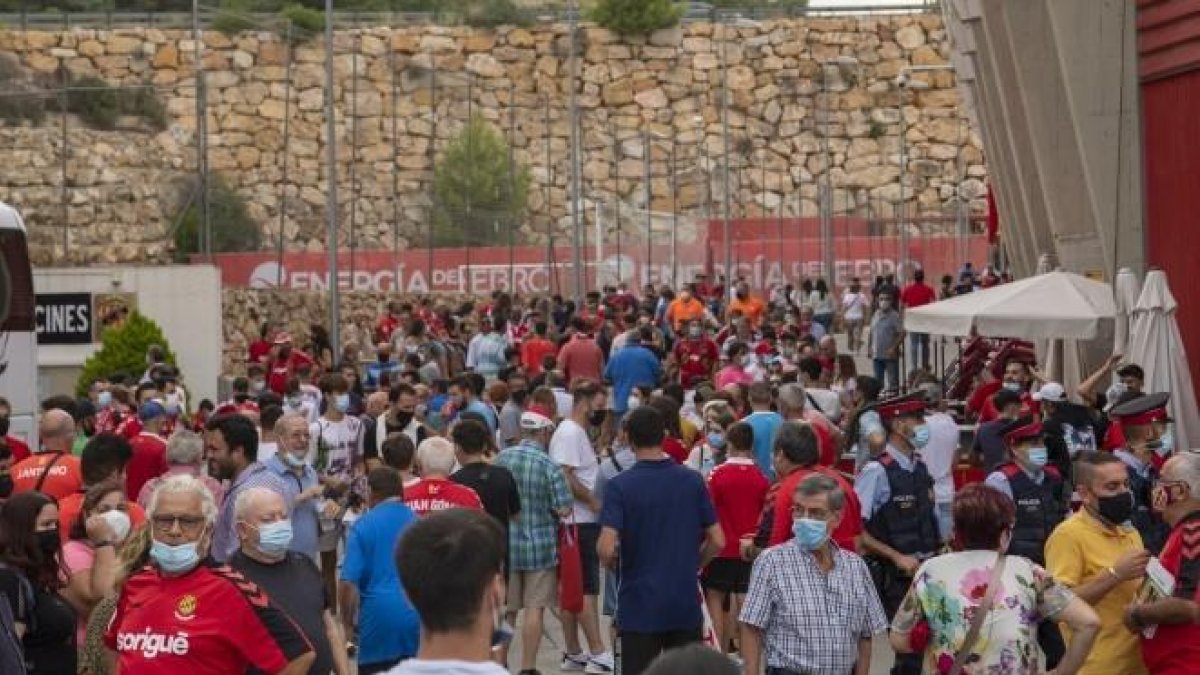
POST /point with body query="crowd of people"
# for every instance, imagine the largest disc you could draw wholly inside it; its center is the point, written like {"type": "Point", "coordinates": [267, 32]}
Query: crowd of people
{"type": "Point", "coordinates": [697, 465]}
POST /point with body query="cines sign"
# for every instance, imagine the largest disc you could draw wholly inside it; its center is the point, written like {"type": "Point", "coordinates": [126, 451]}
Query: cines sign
{"type": "Point", "coordinates": [64, 318]}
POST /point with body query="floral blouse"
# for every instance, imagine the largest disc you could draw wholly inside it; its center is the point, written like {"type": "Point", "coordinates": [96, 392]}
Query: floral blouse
{"type": "Point", "coordinates": [947, 591]}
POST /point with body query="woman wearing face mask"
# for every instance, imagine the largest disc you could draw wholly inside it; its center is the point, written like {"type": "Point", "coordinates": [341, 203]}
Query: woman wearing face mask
{"type": "Point", "coordinates": [735, 371]}
{"type": "Point", "coordinates": [949, 593]}
{"type": "Point", "coordinates": [132, 556]}
{"type": "Point", "coordinates": [182, 615]}
{"type": "Point", "coordinates": [30, 579]}
{"type": "Point", "coordinates": [710, 452]}
{"type": "Point", "coordinates": [89, 556]}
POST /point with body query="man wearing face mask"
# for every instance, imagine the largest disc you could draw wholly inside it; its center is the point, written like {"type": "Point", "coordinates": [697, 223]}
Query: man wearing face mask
{"type": "Point", "coordinates": [303, 489]}
{"type": "Point", "coordinates": [884, 338]}
{"type": "Point", "coordinates": [694, 359]}
{"type": "Point", "coordinates": [285, 364]}
{"type": "Point", "coordinates": [898, 509]}
{"type": "Point", "coordinates": [633, 367]}
{"type": "Point", "coordinates": [1174, 647]}
{"type": "Point", "coordinates": [1149, 440]}
{"type": "Point", "coordinates": [265, 558]}
{"type": "Point", "coordinates": [184, 614]}
{"type": "Point", "coordinates": [842, 612]}
{"type": "Point", "coordinates": [1102, 560]}
{"type": "Point", "coordinates": [751, 307]}
{"type": "Point", "coordinates": [1037, 491]}
{"type": "Point", "coordinates": [1018, 378]}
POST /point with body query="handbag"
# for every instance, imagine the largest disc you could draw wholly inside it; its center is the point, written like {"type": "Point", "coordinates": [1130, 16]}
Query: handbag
{"type": "Point", "coordinates": [570, 569]}
{"type": "Point", "coordinates": [985, 608]}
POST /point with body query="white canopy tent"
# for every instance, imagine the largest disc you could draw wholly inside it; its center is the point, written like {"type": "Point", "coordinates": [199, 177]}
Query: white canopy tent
{"type": "Point", "coordinates": [1156, 346]}
{"type": "Point", "coordinates": [1049, 306]}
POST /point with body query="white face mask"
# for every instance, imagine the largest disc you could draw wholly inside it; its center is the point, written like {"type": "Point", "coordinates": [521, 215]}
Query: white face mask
{"type": "Point", "coordinates": [119, 521]}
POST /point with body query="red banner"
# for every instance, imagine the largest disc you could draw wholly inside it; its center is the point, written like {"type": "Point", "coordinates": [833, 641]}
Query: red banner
{"type": "Point", "coordinates": [764, 263]}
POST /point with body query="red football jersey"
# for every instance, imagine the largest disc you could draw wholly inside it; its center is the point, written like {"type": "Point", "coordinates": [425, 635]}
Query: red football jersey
{"type": "Point", "coordinates": [149, 461]}
{"type": "Point", "coordinates": [1174, 649]}
{"type": "Point", "coordinates": [846, 531]}
{"type": "Point", "coordinates": [739, 490]}
{"type": "Point", "coordinates": [696, 359]}
{"type": "Point", "coordinates": [211, 620]}
{"type": "Point", "coordinates": [438, 494]}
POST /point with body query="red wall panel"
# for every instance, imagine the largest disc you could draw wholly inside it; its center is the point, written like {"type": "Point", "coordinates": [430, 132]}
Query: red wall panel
{"type": "Point", "coordinates": [1171, 147]}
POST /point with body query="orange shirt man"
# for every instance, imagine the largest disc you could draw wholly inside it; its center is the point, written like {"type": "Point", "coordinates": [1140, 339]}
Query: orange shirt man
{"type": "Point", "coordinates": [55, 470]}
{"type": "Point", "coordinates": [750, 306]}
{"type": "Point", "coordinates": [683, 309]}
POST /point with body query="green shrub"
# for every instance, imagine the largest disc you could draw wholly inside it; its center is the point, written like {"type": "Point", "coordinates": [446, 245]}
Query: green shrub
{"type": "Point", "coordinates": [233, 229]}
{"type": "Point", "coordinates": [479, 195]}
{"type": "Point", "coordinates": [492, 13]}
{"type": "Point", "coordinates": [30, 104]}
{"type": "Point", "coordinates": [146, 104]}
{"type": "Point", "coordinates": [636, 17]}
{"type": "Point", "coordinates": [305, 18]}
{"type": "Point", "coordinates": [878, 130]}
{"type": "Point", "coordinates": [95, 102]}
{"type": "Point", "coordinates": [123, 351]}
{"type": "Point", "coordinates": [231, 23]}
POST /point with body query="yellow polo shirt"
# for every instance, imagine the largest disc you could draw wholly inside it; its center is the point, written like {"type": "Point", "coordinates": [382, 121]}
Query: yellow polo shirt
{"type": "Point", "coordinates": [1080, 549]}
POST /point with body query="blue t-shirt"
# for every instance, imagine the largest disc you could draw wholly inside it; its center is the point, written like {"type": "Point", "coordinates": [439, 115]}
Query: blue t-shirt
{"type": "Point", "coordinates": [388, 626]}
{"type": "Point", "coordinates": [630, 367]}
{"type": "Point", "coordinates": [661, 511]}
{"type": "Point", "coordinates": [764, 424]}
{"type": "Point", "coordinates": [487, 411]}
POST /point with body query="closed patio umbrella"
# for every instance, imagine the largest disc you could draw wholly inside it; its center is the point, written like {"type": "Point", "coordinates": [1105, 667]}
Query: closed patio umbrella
{"type": "Point", "coordinates": [1155, 345]}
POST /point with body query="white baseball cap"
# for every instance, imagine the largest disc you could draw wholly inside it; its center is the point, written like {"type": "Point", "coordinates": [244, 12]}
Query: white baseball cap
{"type": "Point", "coordinates": [1052, 392]}
{"type": "Point", "coordinates": [536, 419]}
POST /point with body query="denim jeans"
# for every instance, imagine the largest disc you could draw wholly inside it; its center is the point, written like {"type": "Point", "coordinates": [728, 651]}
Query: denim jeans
{"type": "Point", "coordinates": [890, 368]}
{"type": "Point", "coordinates": [918, 348]}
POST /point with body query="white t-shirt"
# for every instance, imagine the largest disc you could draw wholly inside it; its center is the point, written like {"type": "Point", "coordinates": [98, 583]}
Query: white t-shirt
{"type": "Point", "coordinates": [421, 667]}
{"type": "Point", "coordinates": [267, 450]}
{"type": "Point", "coordinates": [939, 454]}
{"type": "Point", "coordinates": [344, 442]}
{"type": "Point", "coordinates": [305, 408]}
{"type": "Point", "coordinates": [570, 446]}
{"type": "Point", "coordinates": [853, 305]}
{"type": "Point", "coordinates": [564, 401]}
{"type": "Point", "coordinates": [828, 401]}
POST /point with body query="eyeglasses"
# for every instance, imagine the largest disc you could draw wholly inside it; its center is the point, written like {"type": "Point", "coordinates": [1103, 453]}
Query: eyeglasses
{"type": "Point", "coordinates": [165, 523]}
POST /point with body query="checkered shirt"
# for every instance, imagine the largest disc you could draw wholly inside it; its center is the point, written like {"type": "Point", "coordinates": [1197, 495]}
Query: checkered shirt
{"type": "Point", "coordinates": [812, 621]}
{"type": "Point", "coordinates": [533, 538]}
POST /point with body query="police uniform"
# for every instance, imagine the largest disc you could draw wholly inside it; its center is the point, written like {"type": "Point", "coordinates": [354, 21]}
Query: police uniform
{"type": "Point", "coordinates": [896, 492]}
{"type": "Point", "coordinates": [1041, 504]}
{"type": "Point", "coordinates": [1142, 411]}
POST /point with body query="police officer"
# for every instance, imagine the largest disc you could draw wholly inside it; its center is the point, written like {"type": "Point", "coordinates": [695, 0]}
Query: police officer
{"type": "Point", "coordinates": [1037, 489]}
{"type": "Point", "coordinates": [1149, 440]}
{"type": "Point", "coordinates": [896, 492]}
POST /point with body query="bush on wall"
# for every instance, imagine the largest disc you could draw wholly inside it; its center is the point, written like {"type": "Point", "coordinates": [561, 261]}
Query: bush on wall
{"type": "Point", "coordinates": [123, 351]}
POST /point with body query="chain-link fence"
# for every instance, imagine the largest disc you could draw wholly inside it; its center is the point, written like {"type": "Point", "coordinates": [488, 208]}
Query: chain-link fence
{"type": "Point", "coordinates": [176, 147]}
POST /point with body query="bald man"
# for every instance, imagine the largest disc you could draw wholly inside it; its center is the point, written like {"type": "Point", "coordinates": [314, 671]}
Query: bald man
{"type": "Point", "coordinates": [264, 534]}
{"type": "Point", "coordinates": [53, 470]}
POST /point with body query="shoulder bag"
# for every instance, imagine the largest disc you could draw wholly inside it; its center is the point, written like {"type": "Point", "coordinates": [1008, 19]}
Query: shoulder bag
{"type": "Point", "coordinates": [985, 608]}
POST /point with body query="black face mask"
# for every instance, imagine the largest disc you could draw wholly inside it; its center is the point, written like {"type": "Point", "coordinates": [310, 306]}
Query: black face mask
{"type": "Point", "coordinates": [518, 397]}
{"type": "Point", "coordinates": [6, 486]}
{"type": "Point", "coordinates": [47, 541]}
{"type": "Point", "coordinates": [1117, 508]}
{"type": "Point", "coordinates": [404, 418]}
{"type": "Point", "coordinates": [596, 418]}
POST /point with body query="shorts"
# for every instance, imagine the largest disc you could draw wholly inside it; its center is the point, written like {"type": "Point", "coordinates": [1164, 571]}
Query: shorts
{"type": "Point", "coordinates": [726, 575]}
{"type": "Point", "coordinates": [589, 536]}
{"type": "Point", "coordinates": [532, 589]}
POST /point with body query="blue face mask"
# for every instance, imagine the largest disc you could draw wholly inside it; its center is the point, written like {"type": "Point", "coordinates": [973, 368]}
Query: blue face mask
{"type": "Point", "coordinates": [342, 402]}
{"type": "Point", "coordinates": [920, 436]}
{"type": "Point", "coordinates": [810, 533]}
{"type": "Point", "coordinates": [1038, 457]}
{"type": "Point", "coordinates": [104, 399]}
{"type": "Point", "coordinates": [292, 460]}
{"type": "Point", "coordinates": [1013, 386]}
{"type": "Point", "coordinates": [175, 559]}
{"type": "Point", "coordinates": [1166, 443]}
{"type": "Point", "coordinates": [716, 440]}
{"type": "Point", "coordinates": [274, 538]}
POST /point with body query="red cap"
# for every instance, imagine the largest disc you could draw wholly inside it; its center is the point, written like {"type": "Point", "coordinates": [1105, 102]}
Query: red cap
{"type": "Point", "coordinates": [1022, 432]}
{"type": "Point", "coordinates": [913, 404]}
{"type": "Point", "coordinates": [282, 337]}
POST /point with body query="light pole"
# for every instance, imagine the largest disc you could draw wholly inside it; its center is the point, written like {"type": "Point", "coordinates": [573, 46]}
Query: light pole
{"type": "Point", "coordinates": [331, 200]}
{"type": "Point", "coordinates": [674, 217]}
{"type": "Point", "coordinates": [649, 217]}
{"type": "Point", "coordinates": [827, 261]}
{"type": "Point", "coordinates": [905, 82]}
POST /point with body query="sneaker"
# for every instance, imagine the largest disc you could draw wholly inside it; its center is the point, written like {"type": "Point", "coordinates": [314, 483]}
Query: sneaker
{"type": "Point", "coordinates": [574, 663]}
{"type": "Point", "coordinates": [600, 664]}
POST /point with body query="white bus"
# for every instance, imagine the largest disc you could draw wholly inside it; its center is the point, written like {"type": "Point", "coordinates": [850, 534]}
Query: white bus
{"type": "Point", "coordinates": [18, 339]}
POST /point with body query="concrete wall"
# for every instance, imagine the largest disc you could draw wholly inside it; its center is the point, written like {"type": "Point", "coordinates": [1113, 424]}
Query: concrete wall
{"type": "Point", "coordinates": [184, 300]}
{"type": "Point", "coordinates": [1053, 88]}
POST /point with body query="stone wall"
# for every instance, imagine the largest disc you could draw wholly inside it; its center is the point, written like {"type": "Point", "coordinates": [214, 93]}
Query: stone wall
{"type": "Point", "coordinates": [124, 188]}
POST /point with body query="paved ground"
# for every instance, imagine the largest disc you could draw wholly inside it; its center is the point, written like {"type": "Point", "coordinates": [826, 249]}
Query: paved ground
{"type": "Point", "coordinates": [550, 651]}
